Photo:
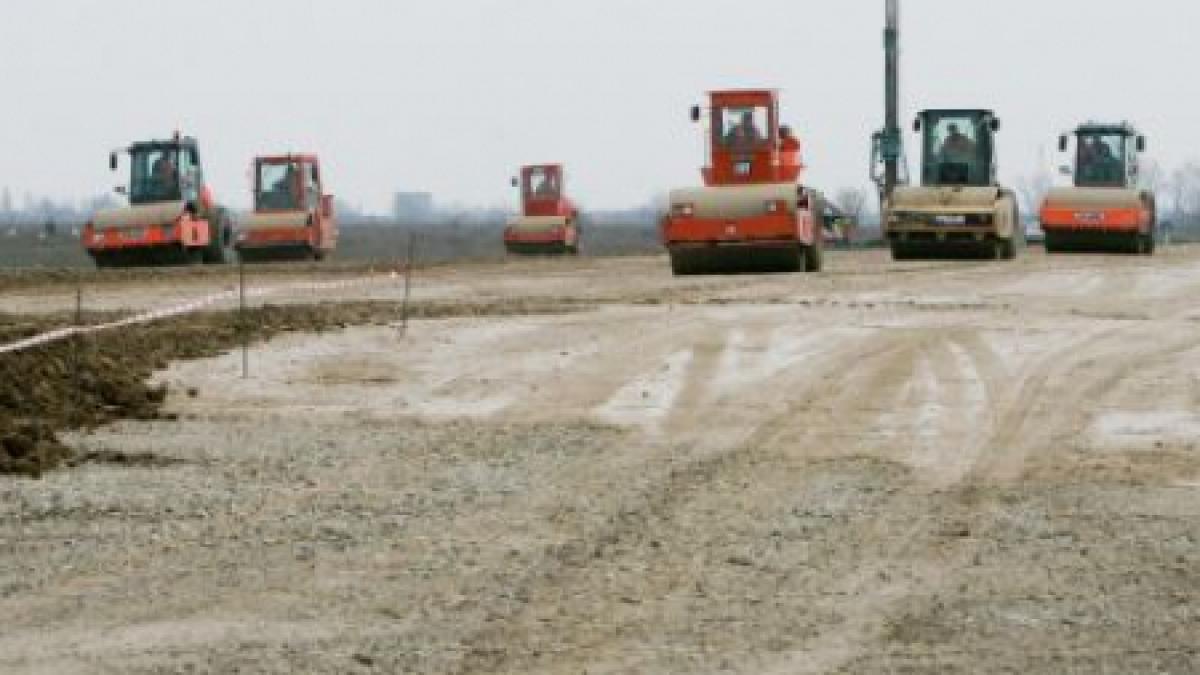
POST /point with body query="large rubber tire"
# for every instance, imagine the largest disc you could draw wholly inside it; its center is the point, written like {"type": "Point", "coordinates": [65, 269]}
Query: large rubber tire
{"type": "Point", "coordinates": [1006, 249]}
{"type": "Point", "coordinates": [1149, 247]}
{"type": "Point", "coordinates": [220, 249]}
{"type": "Point", "coordinates": [104, 260]}
{"type": "Point", "coordinates": [900, 252]}
{"type": "Point", "coordinates": [802, 262]}
{"type": "Point", "coordinates": [814, 256]}
{"type": "Point", "coordinates": [1010, 248]}
{"type": "Point", "coordinates": [683, 265]}
{"type": "Point", "coordinates": [1050, 242]}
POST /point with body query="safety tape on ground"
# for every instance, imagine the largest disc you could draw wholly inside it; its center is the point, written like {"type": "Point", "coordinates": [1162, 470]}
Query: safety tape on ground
{"type": "Point", "coordinates": [191, 307]}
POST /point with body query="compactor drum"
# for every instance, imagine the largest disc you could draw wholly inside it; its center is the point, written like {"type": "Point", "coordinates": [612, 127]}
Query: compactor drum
{"type": "Point", "coordinates": [1105, 209]}
{"type": "Point", "coordinates": [752, 215]}
{"type": "Point", "coordinates": [959, 210]}
{"type": "Point", "coordinates": [172, 217]}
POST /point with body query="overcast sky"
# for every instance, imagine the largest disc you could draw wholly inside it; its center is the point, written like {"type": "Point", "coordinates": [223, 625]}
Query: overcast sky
{"type": "Point", "coordinates": [451, 95]}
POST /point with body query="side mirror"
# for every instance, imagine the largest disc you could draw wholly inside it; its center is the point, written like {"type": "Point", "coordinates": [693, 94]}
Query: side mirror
{"type": "Point", "coordinates": [695, 113]}
{"type": "Point", "coordinates": [1063, 143]}
{"type": "Point", "coordinates": [1065, 170]}
{"type": "Point", "coordinates": [994, 124]}
{"type": "Point", "coordinates": [917, 125]}
{"type": "Point", "coordinates": [112, 162]}
{"type": "Point", "coordinates": [516, 182]}
{"type": "Point", "coordinates": [327, 206]}
{"type": "Point", "coordinates": [1141, 143]}
{"type": "Point", "coordinates": [121, 190]}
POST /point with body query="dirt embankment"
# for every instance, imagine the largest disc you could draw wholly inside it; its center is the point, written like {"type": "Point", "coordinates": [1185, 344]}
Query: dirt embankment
{"type": "Point", "coordinates": [86, 382]}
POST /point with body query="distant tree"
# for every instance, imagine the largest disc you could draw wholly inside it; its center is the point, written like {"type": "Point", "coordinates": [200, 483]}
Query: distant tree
{"type": "Point", "coordinates": [1032, 190]}
{"type": "Point", "coordinates": [1153, 177]}
{"type": "Point", "coordinates": [853, 203]}
{"type": "Point", "coordinates": [1183, 192]}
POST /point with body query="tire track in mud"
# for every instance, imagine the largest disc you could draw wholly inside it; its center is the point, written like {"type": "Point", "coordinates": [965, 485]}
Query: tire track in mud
{"type": "Point", "coordinates": [669, 482]}
{"type": "Point", "coordinates": [590, 382]}
{"type": "Point", "coordinates": [1060, 389]}
{"type": "Point", "coordinates": [871, 377]}
{"type": "Point", "coordinates": [872, 374]}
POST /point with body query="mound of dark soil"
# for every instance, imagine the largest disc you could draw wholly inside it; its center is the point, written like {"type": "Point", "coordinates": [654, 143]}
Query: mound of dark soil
{"type": "Point", "coordinates": [89, 381]}
{"type": "Point", "coordinates": [30, 449]}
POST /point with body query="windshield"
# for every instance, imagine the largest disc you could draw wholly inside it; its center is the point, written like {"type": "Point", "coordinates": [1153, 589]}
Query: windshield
{"type": "Point", "coordinates": [741, 128]}
{"type": "Point", "coordinates": [278, 187]}
{"type": "Point", "coordinates": [957, 150]}
{"type": "Point", "coordinates": [542, 183]}
{"type": "Point", "coordinates": [1101, 160]}
{"type": "Point", "coordinates": [155, 175]}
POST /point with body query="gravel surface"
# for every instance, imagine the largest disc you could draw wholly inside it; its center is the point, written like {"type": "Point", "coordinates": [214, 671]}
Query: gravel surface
{"type": "Point", "coordinates": [888, 468]}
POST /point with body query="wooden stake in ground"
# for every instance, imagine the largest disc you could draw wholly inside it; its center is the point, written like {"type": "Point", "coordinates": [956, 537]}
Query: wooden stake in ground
{"type": "Point", "coordinates": [75, 346]}
{"type": "Point", "coordinates": [408, 272]}
{"type": "Point", "coordinates": [242, 323]}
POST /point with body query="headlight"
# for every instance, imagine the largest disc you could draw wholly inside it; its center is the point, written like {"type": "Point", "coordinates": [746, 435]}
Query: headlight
{"type": "Point", "coordinates": [776, 206]}
{"type": "Point", "coordinates": [683, 210]}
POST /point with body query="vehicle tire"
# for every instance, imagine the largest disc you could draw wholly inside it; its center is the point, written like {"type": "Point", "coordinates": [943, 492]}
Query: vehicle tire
{"type": "Point", "coordinates": [220, 249]}
{"type": "Point", "coordinates": [1137, 244]}
{"type": "Point", "coordinates": [798, 261]}
{"type": "Point", "coordinates": [1006, 249]}
{"type": "Point", "coordinates": [195, 256]}
{"type": "Point", "coordinates": [681, 266]}
{"type": "Point", "coordinates": [1050, 242]}
{"type": "Point", "coordinates": [900, 252]}
{"type": "Point", "coordinates": [814, 256]}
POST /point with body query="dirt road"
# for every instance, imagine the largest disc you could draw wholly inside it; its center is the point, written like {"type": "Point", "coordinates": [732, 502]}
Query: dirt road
{"type": "Point", "coordinates": [889, 468]}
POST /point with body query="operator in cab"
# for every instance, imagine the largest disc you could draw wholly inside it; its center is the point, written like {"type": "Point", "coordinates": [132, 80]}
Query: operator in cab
{"type": "Point", "coordinates": [957, 147]}
{"type": "Point", "coordinates": [165, 172]}
{"type": "Point", "coordinates": [546, 189]}
{"type": "Point", "coordinates": [745, 134]}
{"type": "Point", "coordinates": [285, 188]}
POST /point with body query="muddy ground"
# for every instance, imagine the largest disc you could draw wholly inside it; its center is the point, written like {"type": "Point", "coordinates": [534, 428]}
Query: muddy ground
{"type": "Point", "coordinates": [589, 466]}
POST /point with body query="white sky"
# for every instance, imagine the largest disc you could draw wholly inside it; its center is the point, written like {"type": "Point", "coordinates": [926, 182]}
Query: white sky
{"type": "Point", "coordinates": [451, 95]}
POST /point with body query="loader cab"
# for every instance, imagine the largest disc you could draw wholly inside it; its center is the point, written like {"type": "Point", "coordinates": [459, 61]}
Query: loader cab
{"type": "Point", "coordinates": [1106, 156]}
{"type": "Point", "coordinates": [958, 147]}
{"type": "Point", "coordinates": [542, 190]}
{"type": "Point", "coordinates": [747, 143]}
{"type": "Point", "coordinates": [164, 171]}
{"type": "Point", "coordinates": [287, 183]}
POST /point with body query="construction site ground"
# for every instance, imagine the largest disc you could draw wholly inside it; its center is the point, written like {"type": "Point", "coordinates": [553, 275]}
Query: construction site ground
{"type": "Point", "coordinates": [588, 466]}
